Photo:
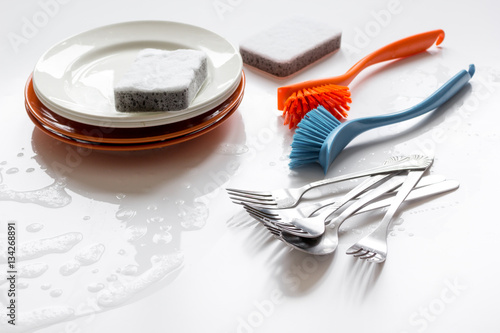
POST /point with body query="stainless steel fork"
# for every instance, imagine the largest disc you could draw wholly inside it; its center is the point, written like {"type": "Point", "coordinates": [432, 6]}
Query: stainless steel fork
{"type": "Point", "coordinates": [373, 247]}
{"type": "Point", "coordinates": [286, 217]}
{"type": "Point", "coordinates": [313, 226]}
{"type": "Point", "coordinates": [290, 197]}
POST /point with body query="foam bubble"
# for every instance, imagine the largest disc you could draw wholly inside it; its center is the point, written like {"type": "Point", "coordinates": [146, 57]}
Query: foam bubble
{"type": "Point", "coordinates": [52, 196]}
{"type": "Point", "coordinates": [39, 248]}
{"type": "Point", "coordinates": [90, 255]}
{"type": "Point", "coordinates": [162, 266]}
{"type": "Point", "coordinates": [27, 321]}
{"type": "Point", "coordinates": [70, 268]}
{"type": "Point", "coordinates": [34, 227]}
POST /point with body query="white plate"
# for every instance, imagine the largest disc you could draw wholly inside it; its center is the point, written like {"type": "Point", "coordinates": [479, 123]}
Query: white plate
{"type": "Point", "coordinates": [75, 77]}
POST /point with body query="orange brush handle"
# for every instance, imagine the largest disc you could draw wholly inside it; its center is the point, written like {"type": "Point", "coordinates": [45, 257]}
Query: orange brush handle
{"type": "Point", "coordinates": [402, 48]}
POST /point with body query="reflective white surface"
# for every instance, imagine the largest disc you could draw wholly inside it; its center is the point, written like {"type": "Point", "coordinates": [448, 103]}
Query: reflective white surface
{"type": "Point", "coordinates": [149, 241]}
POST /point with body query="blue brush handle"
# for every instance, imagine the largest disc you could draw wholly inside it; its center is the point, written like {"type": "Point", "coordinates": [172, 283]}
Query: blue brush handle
{"type": "Point", "coordinates": [347, 131]}
{"type": "Point", "coordinates": [438, 98]}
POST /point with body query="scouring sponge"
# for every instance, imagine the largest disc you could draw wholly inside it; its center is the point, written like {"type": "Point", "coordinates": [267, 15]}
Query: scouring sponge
{"type": "Point", "coordinates": [289, 46]}
{"type": "Point", "coordinates": [160, 80]}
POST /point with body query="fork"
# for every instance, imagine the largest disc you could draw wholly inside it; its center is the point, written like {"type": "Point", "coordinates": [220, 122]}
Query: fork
{"type": "Point", "coordinates": [292, 219]}
{"type": "Point", "coordinates": [328, 241]}
{"type": "Point", "coordinates": [319, 245]}
{"type": "Point", "coordinates": [312, 226]}
{"type": "Point", "coordinates": [373, 247]}
{"type": "Point", "coordinates": [290, 197]}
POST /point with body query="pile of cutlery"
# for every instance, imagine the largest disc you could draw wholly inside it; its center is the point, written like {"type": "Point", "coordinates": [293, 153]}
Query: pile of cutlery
{"type": "Point", "coordinates": [314, 227]}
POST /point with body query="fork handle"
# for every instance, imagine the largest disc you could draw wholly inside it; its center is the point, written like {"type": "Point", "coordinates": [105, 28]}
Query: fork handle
{"type": "Point", "coordinates": [408, 185]}
{"type": "Point", "coordinates": [406, 163]}
{"type": "Point", "coordinates": [316, 207]}
{"type": "Point", "coordinates": [365, 200]}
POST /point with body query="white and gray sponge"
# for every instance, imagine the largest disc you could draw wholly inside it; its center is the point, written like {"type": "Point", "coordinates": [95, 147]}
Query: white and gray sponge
{"type": "Point", "coordinates": [161, 80]}
{"type": "Point", "coordinates": [290, 45]}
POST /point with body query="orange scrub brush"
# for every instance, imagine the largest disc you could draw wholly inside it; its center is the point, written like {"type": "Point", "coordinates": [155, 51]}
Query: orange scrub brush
{"type": "Point", "coordinates": [332, 93]}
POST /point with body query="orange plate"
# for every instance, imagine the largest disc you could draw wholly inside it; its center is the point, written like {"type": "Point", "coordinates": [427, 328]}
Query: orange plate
{"type": "Point", "coordinates": [77, 132]}
{"type": "Point", "coordinates": [130, 147]}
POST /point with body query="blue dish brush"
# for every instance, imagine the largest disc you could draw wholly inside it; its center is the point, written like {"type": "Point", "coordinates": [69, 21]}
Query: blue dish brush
{"type": "Point", "coordinates": [320, 137]}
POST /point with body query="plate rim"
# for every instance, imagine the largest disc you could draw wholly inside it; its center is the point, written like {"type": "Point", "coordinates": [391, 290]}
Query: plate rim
{"type": "Point", "coordinates": [214, 117]}
{"type": "Point", "coordinates": [154, 119]}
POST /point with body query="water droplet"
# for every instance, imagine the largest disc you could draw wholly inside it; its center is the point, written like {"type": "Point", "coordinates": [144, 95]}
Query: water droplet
{"type": "Point", "coordinates": [45, 286]}
{"type": "Point", "coordinates": [95, 271]}
{"type": "Point", "coordinates": [135, 232]}
{"type": "Point", "coordinates": [411, 234]}
{"type": "Point", "coordinates": [152, 207]}
{"type": "Point", "coordinates": [393, 234]}
{"type": "Point", "coordinates": [3, 163]}
{"type": "Point", "coordinates": [121, 252]}
{"type": "Point", "coordinates": [125, 214]}
{"type": "Point", "coordinates": [11, 171]}
{"type": "Point", "coordinates": [30, 170]}
{"type": "Point", "coordinates": [34, 227]}
{"type": "Point", "coordinates": [121, 196]}
{"type": "Point", "coordinates": [56, 293]}
{"type": "Point", "coordinates": [130, 270]}
{"type": "Point", "coordinates": [95, 287]}
{"type": "Point", "coordinates": [86, 218]}
{"type": "Point", "coordinates": [20, 155]}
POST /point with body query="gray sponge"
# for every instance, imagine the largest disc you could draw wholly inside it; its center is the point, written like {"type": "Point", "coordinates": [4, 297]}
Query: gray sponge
{"type": "Point", "coordinates": [290, 46]}
{"type": "Point", "coordinates": [160, 80]}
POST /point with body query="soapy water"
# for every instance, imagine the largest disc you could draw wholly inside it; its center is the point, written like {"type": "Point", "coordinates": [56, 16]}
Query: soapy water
{"type": "Point", "coordinates": [39, 248]}
{"type": "Point", "coordinates": [52, 196]}
{"type": "Point", "coordinates": [34, 227]}
{"type": "Point", "coordinates": [116, 293]}
{"type": "Point", "coordinates": [85, 257]}
{"type": "Point", "coordinates": [120, 292]}
{"type": "Point", "coordinates": [30, 271]}
{"type": "Point", "coordinates": [149, 226]}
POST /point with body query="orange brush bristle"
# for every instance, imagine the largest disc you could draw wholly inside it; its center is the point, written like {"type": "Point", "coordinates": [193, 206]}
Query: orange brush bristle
{"type": "Point", "coordinates": [334, 98]}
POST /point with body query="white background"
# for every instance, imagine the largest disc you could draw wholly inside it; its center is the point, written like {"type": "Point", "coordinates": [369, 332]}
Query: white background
{"type": "Point", "coordinates": [225, 273]}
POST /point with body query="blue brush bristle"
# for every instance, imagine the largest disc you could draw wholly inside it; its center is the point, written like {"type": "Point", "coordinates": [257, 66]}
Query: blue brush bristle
{"type": "Point", "coordinates": [312, 131]}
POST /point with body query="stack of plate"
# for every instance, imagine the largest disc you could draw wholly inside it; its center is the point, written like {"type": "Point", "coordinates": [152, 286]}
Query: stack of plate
{"type": "Point", "coordinates": [69, 96]}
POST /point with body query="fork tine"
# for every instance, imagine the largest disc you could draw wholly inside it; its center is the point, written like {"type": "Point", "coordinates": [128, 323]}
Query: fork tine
{"type": "Point", "coordinates": [289, 227]}
{"type": "Point", "coordinates": [353, 250]}
{"type": "Point", "coordinates": [361, 254]}
{"type": "Point", "coordinates": [377, 259]}
{"type": "Point", "coordinates": [246, 192]}
{"type": "Point", "coordinates": [256, 203]}
{"type": "Point", "coordinates": [251, 196]}
{"type": "Point", "coordinates": [368, 255]}
{"type": "Point", "coordinates": [275, 231]}
{"type": "Point", "coordinates": [258, 213]}
{"type": "Point", "coordinates": [261, 211]}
